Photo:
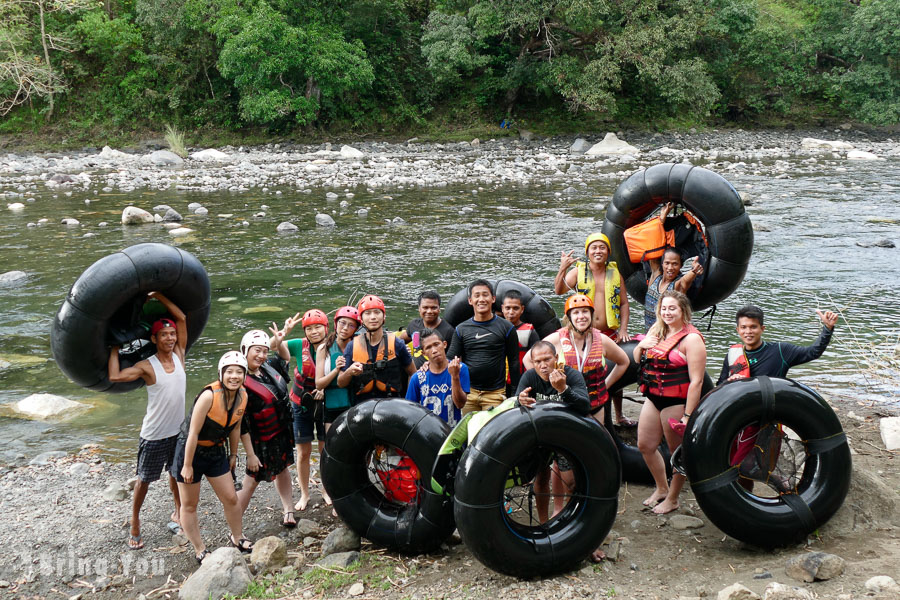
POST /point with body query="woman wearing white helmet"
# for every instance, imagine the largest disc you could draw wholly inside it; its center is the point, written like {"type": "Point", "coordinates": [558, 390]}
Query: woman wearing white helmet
{"type": "Point", "coordinates": [214, 419]}
{"type": "Point", "coordinates": [268, 430]}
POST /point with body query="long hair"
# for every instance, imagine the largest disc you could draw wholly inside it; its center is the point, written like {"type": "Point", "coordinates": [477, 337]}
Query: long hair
{"type": "Point", "coordinates": [660, 329]}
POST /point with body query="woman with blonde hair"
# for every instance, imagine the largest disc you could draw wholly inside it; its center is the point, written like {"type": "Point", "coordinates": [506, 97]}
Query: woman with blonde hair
{"type": "Point", "coordinates": [673, 364]}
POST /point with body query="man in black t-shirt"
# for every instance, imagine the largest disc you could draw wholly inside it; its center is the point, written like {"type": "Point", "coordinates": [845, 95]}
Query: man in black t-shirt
{"type": "Point", "coordinates": [547, 383]}
{"type": "Point", "coordinates": [486, 343]}
{"type": "Point", "coordinates": [429, 318]}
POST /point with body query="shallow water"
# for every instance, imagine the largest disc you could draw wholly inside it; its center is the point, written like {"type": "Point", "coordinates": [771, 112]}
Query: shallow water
{"type": "Point", "coordinates": [805, 257]}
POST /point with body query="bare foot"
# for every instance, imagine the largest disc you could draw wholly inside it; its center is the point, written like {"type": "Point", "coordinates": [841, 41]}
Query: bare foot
{"type": "Point", "coordinates": [656, 496]}
{"type": "Point", "coordinates": [665, 507]}
{"type": "Point", "coordinates": [326, 497]}
{"type": "Point", "coordinates": [301, 504]}
{"type": "Point", "coordinates": [598, 556]}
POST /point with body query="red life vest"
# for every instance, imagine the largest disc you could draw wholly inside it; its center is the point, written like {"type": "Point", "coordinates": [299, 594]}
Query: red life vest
{"type": "Point", "coordinates": [594, 367]}
{"type": "Point", "coordinates": [746, 439]}
{"type": "Point", "coordinates": [737, 361]}
{"type": "Point", "coordinates": [400, 482]}
{"type": "Point", "coordinates": [658, 375]}
{"type": "Point", "coordinates": [304, 375]}
{"type": "Point", "coordinates": [266, 420]}
{"type": "Point", "coordinates": [523, 348]}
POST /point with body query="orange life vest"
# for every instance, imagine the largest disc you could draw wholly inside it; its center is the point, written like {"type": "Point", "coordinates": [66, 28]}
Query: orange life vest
{"type": "Point", "coordinates": [737, 361]}
{"type": "Point", "coordinates": [593, 368]}
{"type": "Point", "coordinates": [219, 420]}
{"type": "Point", "coordinates": [658, 375]}
{"type": "Point", "coordinates": [304, 374]}
{"type": "Point", "coordinates": [648, 240]}
{"type": "Point", "coordinates": [381, 373]}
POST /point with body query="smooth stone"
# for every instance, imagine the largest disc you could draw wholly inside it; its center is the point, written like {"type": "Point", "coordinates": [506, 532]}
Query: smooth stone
{"type": "Point", "coordinates": [157, 219]}
{"type": "Point", "coordinates": [132, 215]}
{"type": "Point", "coordinates": [351, 152]}
{"type": "Point", "coordinates": [356, 589]}
{"type": "Point", "coordinates": [202, 211]}
{"type": "Point", "coordinates": [223, 573]}
{"type": "Point", "coordinates": [70, 221]}
{"type": "Point", "coordinates": [62, 178]}
{"type": "Point", "coordinates": [611, 144]}
{"type": "Point", "coordinates": [579, 146]}
{"type": "Point", "coordinates": [324, 220]}
{"type": "Point", "coordinates": [890, 429]}
{"type": "Point", "coordinates": [164, 158]}
{"type": "Point", "coordinates": [209, 155]}
{"type": "Point", "coordinates": [41, 406]}
{"type": "Point", "coordinates": [882, 584]}
{"type": "Point", "coordinates": [779, 591]}
{"type": "Point", "coordinates": [331, 196]}
{"type": "Point", "coordinates": [363, 212]}
{"type": "Point", "coordinates": [15, 206]}
{"type": "Point", "coordinates": [194, 206]}
{"type": "Point", "coordinates": [286, 227]}
{"type": "Point", "coordinates": [736, 591]}
{"type": "Point", "coordinates": [162, 208]}
{"type": "Point", "coordinates": [172, 216]}
{"type": "Point", "coordinates": [813, 566]}
{"type": "Point", "coordinates": [398, 221]}
{"type": "Point", "coordinates": [862, 155]}
{"type": "Point", "coordinates": [475, 142]}
{"type": "Point", "coordinates": [13, 277]}
{"type": "Point", "coordinates": [685, 522]}
{"type": "Point", "coordinates": [180, 231]}
{"type": "Point", "coordinates": [45, 458]}
{"type": "Point", "coordinates": [339, 560]}
{"type": "Point", "coordinates": [109, 154]}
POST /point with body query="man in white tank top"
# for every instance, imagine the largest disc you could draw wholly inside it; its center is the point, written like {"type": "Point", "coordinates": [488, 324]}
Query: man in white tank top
{"type": "Point", "coordinates": [165, 378]}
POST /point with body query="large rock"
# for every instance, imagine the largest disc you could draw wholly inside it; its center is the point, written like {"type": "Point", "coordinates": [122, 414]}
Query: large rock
{"type": "Point", "coordinates": [269, 554]}
{"type": "Point", "coordinates": [579, 146]}
{"type": "Point", "coordinates": [351, 152]}
{"type": "Point", "coordinates": [286, 227]}
{"type": "Point", "coordinates": [324, 220]}
{"type": "Point", "coordinates": [340, 560]}
{"type": "Point", "coordinates": [109, 154]}
{"type": "Point", "coordinates": [172, 216]}
{"type": "Point", "coordinates": [42, 406]}
{"type": "Point", "coordinates": [209, 155]}
{"type": "Point", "coordinates": [817, 144]}
{"type": "Point", "coordinates": [882, 584]}
{"type": "Point", "coordinates": [132, 215]}
{"type": "Point", "coordinates": [736, 591]}
{"type": "Point", "coordinates": [862, 155]}
{"type": "Point", "coordinates": [341, 539]}
{"type": "Point", "coordinates": [181, 231]}
{"type": "Point", "coordinates": [306, 527]}
{"type": "Point", "coordinates": [813, 566]}
{"type": "Point", "coordinates": [685, 522]}
{"type": "Point", "coordinates": [890, 429]}
{"type": "Point", "coordinates": [165, 158]}
{"type": "Point", "coordinates": [611, 145]}
{"type": "Point", "coordinates": [223, 572]}
{"type": "Point", "coordinates": [62, 179]}
{"type": "Point", "coordinates": [11, 277]}
{"type": "Point", "coordinates": [870, 504]}
{"type": "Point", "coordinates": [779, 591]}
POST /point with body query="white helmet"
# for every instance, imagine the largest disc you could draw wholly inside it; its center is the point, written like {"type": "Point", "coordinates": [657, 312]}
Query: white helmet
{"type": "Point", "coordinates": [254, 337]}
{"type": "Point", "coordinates": [230, 359]}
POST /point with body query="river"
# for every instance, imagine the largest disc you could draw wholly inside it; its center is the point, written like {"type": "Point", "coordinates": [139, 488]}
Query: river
{"type": "Point", "coordinates": [809, 215]}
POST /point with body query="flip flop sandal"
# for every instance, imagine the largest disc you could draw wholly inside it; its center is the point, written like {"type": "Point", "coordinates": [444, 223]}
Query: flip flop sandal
{"type": "Point", "coordinates": [135, 542]}
{"type": "Point", "coordinates": [201, 556]}
{"type": "Point", "coordinates": [243, 544]}
{"type": "Point", "coordinates": [288, 524]}
{"type": "Point", "coordinates": [175, 528]}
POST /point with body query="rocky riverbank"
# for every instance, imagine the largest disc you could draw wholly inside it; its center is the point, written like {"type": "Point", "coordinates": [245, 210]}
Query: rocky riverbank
{"type": "Point", "coordinates": [66, 515]}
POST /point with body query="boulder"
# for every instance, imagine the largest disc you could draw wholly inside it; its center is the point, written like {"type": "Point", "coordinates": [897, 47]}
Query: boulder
{"type": "Point", "coordinates": [193, 206]}
{"type": "Point", "coordinates": [890, 428]}
{"type": "Point", "coordinates": [201, 211]}
{"type": "Point", "coordinates": [109, 154]}
{"type": "Point", "coordinates": [286, 227]}
{"type": "Point", "coordinates": [331, 196]}
{"type": "Point", "coordinates": [165, 158]}
{"type": "Point", "coordinates": [209, 155]}
{"type": "Point", "coordinates": [132, 215]}
{"type": "Point", "coordinates": [222, 573]}
{"type": "Point", "coordinates": [814, 566]}
{"type": "Point", "coordinates": [817, 144]}
{"type": "Point", "coordinates": [340, 560]}
{"type": "Point", "coordinates": [269, 554]}
{"type": "Point", "coordinates": [351, 152]}
{"type": "Point", "coordinates": [70, 221]}
{"type": "Point", "coordinates": [172, 216]}
{"type": "Point", "coordinates": [611, 145]}
{"type": "Point", "coordinates": [779, 591]}
{"type": "Point", "coordinates": [736, 591]}
{"type": "Point", "coordinates": [882, 584]}
{"type": "Point", "coordinates": [11, 277]}
{"type": "Point", "coordinates": [42, 406]}
{"type": "Point", "coordinates": [579, 146]}
{"type": "Point", "coordinates": [862, 155]}
{"type": "Point", "coordinates": [324, 220]}
{"type": "Point", "coordinates": [341, 539]}
{"type": "Point", "coordinates": [15, 206]}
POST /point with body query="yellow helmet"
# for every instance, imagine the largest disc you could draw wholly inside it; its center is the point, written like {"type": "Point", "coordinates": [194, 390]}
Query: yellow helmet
{"type": "Point", "coordinates": [596, 237]}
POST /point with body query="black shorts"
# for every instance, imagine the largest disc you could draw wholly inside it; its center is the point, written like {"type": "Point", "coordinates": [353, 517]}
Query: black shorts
{"type": "Point", "coordinates": [309, 417]}
{"type": "Point", "coordinates": [663, 402]}
{"type": "Point", "coordinates": [153, 456]}
{"type": "Point", "coordinates": [209, 461]}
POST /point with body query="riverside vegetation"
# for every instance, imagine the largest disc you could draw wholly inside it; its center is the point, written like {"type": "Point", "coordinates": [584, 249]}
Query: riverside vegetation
{"type": "Point", "coordinates": [385, 66]}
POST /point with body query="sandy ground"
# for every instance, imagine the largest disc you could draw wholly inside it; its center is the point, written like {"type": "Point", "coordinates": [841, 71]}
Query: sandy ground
{"type": "Point", "coordinates": [60, 538]}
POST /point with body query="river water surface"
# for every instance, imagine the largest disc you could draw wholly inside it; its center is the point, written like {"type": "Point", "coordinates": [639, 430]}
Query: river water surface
{"type": "Point", "coordinates": [806, 256]}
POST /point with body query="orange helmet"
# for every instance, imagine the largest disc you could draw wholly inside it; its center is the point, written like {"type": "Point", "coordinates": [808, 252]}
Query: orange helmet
{"type": "Point", "coordinates": [368, 303]}
{"type": "Point", "coordinates": [578, 300]}
{"type": "Point", "coordinates": [314, 317]}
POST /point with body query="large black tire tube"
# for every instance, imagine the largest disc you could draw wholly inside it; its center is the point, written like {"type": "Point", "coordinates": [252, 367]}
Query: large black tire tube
{"type": "Point", "coordinates": [567, 539]}
{"type": "Point", "coordinates": [538, 311]}
{"type": "Point", "coordinates": [766, 522]}
{"type": "Point", "coordinates": [411, 528]}
{"type": "Point", "coordinates": [104, 308]}
{"type": "Point", "coordinates": [715, 203]}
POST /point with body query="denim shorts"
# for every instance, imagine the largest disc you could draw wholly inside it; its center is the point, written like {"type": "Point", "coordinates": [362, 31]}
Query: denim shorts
{"type": "Point", "coordinates": [309, 418]}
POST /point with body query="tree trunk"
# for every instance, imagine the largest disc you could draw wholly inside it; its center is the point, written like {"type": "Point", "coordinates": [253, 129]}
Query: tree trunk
{"type": "Point", "coordinates": [40, 4]}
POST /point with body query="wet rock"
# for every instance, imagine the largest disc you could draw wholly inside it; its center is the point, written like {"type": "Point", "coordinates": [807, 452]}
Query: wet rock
{"type": "Point", "coordinates": [580, 146]}
{"type": "Point", "coordinates": [882, 584]}
{"type": "Point", "coordinates": [356, 589]}
{"type": "Point", "coordinates": [209, 155]}
{"type": "Point", "coordinates": [526, 135]}
{"type": "Point", "coordinates": [224, 572]}
{"type": "Point", "coordinates": [340, 560]}
{"type": "Point", "coordinates": [42, 406]}
{"type": "Point", "coordinates": [813, 566]}
{"type": "Point", "coordinates": [115, 492]}
{"type": "Point", "coordinates": [879, 244]}
{"type": "Point", "coordinates": [132, 215]}
{"type": "Point", "coordinates": [685, 522]}
{"type": "Point", "coordinates": [165, 158]}
{"type": "Point", "coordinates": [351, 152]}
{"type": "Point", "coordinates": [817, 144]}
{"type": "Point", "coordinates": [862, 155]}
{"type": "Point", "coordinates": [269, 554]}
{"type": "Point", "coordinates": [193, 206]}
{"type": "Point", "coordinates": [324, 220]}
{"type": "Point", "coordinates": [331, 196]}
{"type": "Point", "coordinates": [161, 208]}
{"type": "Point", "coordinates": [286, 227]}
{"type": "Point", "coordinates": [70, 221]}
{"type": "Point", "coordinates": [363, 212]}
{"type": "Point", "coordinates": [890, 429]}
{"type": "Point", "coordinates": [181, 231]}
{"type": "Point", "coordinates": [779, 591]}
{"type": "Point", "coordinates": [398, 221]}
{"type": "Point", "coordinates": [736, 591]}
{"type": "Point", "coordinates": [202, 211]}
{"type": "Point", "coordinates": [45, 458]}
{"type": "Point", "coordinates": [612, 145]}
{"type": "Point", "coordinates": [62, 178]}
{"type": "Point", "coordinates": [172, 216]}
{"type": "Point", "coordinates": [11, 277]}
{"type": "Point", "coordinates": [341, 539]}
{"type": "Point", "coordinates": [16, 206]}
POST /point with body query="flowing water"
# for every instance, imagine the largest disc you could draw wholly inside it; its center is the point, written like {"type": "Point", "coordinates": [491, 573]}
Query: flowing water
{"type": "Point", "coordinates": [805, 257]}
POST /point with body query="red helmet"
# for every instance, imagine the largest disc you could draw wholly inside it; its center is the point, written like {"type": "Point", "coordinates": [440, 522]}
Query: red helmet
{"type": "Point", "coordinates": [578, 301]}
{"type": "Point", "coordinates": [347, 312]}
{"type": "Point", "coordinates": [369, 302]}
{"type": "Point", "coordinates": [314, 317]}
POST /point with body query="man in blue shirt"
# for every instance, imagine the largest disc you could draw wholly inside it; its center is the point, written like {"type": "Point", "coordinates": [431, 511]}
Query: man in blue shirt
{"type": "Point", "coordinates": [444, 385]}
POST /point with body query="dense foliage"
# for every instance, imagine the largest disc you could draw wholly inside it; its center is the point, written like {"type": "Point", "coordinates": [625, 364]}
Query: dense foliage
{"type": "Point", "coordinates": [370, 64]}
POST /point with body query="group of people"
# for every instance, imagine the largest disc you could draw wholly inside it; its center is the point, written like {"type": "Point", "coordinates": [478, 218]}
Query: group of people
{"type": "Point", "coordinates": [451, 371]}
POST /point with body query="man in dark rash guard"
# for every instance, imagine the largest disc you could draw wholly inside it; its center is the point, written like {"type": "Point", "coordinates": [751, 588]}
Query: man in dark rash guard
{"type": "Point", "coordinates": [486, 343]}
{"type": "Point", "coordinates": [755, 357]}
